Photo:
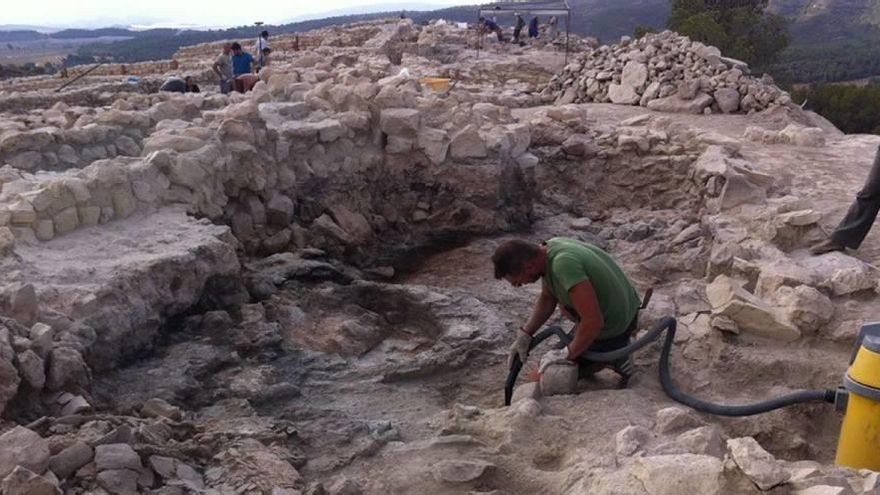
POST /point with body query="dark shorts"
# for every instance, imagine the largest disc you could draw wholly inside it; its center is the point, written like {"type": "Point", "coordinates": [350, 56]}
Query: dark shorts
{"type": "Point", "coordinates": [610, 344]}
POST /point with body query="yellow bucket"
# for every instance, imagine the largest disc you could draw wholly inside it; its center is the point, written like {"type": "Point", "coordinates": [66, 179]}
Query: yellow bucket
{"type": "Point", "coordinates": [436, 83]}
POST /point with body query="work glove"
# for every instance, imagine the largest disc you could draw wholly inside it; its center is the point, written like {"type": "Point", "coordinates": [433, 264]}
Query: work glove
{"type": "Point", "coordinates": [520, 347]}
{"type": "Point", "coordinates": [556, 356]}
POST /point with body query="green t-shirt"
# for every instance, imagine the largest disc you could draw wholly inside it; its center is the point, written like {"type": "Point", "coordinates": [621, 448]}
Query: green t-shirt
{"type": "Point", "coordinates": [570, 262]}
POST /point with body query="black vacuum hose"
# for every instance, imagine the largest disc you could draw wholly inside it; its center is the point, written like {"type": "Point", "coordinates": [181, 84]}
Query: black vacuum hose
{"type": "Point", "coordinates": [668, 324]}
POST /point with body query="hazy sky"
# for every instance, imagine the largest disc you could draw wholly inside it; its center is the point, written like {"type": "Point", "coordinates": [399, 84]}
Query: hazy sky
{"type": "Point", "coordinates": [200, 12]}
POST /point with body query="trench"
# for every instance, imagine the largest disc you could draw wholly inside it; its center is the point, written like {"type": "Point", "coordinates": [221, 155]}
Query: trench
{"type": "Point", "coordinates": [354, 369]}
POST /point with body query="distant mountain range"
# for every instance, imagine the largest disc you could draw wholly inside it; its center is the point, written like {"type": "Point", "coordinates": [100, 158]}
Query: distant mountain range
{"type": "Point", "coordinates": [831, 39]}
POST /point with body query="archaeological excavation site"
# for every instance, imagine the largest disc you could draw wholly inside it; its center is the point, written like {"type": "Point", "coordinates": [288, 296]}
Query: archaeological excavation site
{"type": "Point", "coordinates": [291, 290]}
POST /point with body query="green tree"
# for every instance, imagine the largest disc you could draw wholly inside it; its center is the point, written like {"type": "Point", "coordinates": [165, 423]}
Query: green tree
{"type": "Point", "coordinates": [640, 31]}
{"type": "Point", "coordinates": [739, 28]}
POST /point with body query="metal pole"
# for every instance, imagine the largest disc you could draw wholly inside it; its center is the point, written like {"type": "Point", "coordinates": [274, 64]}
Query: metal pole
{"type": "Point", "coordinates": [77, 78]}
{"type": "Point", "coordinates": [567, 29]}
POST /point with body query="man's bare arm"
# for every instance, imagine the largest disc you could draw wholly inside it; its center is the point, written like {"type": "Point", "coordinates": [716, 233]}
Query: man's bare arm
{"type": "Point", "coordinates": [543, 310]}
{"type": "Point", "coordinates": [585, 302]}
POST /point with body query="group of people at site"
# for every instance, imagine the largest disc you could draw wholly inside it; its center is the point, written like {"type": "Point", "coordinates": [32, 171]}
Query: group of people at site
{"type": "Point", "coordinates": [491, 26]}
{"type": "Point", "coordinates": [236, 68]}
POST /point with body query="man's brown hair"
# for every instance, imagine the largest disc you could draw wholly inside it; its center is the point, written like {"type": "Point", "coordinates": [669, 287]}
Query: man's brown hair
{"type": "Point", "coordinates": [510, 257]}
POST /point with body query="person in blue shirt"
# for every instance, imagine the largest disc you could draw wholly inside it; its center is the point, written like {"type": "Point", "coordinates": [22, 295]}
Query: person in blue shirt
{"type": "Point", "coordinates": [490, 26]}
{"type": "Point", "coordinates": [533, 27]}
{"type": "Point", "coordinates": [242, 64]}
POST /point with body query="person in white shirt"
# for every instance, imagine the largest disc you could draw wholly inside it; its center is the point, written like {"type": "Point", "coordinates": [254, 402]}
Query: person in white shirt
{"type": "Point", "coordinates": [261, 44]}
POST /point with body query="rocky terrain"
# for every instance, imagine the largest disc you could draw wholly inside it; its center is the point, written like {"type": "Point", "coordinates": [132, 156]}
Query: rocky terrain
{"type": "Point", "coordinates": [289, 291]}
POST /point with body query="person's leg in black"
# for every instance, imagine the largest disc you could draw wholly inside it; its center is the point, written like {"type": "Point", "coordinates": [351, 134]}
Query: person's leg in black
{"type": "Point", "coordinates": [859, 219]}
{"type": "Point", "coordinates": [622, 366]}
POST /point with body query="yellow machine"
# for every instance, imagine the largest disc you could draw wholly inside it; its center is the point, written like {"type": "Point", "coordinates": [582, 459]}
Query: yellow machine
{"type": "Point", "coordinates": [859, 443]}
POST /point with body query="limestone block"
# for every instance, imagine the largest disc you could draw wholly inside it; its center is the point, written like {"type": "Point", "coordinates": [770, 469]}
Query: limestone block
{"type": "Point", "coordinates": [467, 143]}
{"type": "Point", "coordinates": [840, 273]}
{"type": "Point", "coordinates": [22, 481]}
{"type": "Point", "coordinates": [672, 419]}
{"type": "Point", "coordinates": [330, 130]}
{"type": "Point", "coordinates": [677, 474]}
{"type": "Point", "coordinates": [675, 104]}
{"type": "Point", "coordinates": [461, 471]}
{"type": "Point", "coordinates": [127, 146]}
{"type": "Point", "coordinates": [124, 203]}
{"type": "Point", "coordinates": [67, 154]}
{"type": "Point", "coordinates": [116, 456]}
{"type": "Point", "coordinates": [32, 369]}
{"type": "Point", "coordinates": [750, 313]}
{"type": "Point", "coordinates": [89, 215]}
{"type": "Point", "coordinates": [758, 464]}
{"type": "Point", "coordinates": [650, 93]}
{"type": "Point", "coordinates": [623, 94]}
{"type": "Point", "coordinates": [76, 405]}
{"type": "Point", "coordinates": [7, 241]}
{"type": "Point", "coordinates": [727, 99]}
{"type": "Point", "coordinates": [22, 212]}
{"type": "Point", "coordinates": [559, 379]}
{"type": "Point", "coordinates": [399, 145]}
{"type": "Point", "coordinates": [435, 144]}
{"type": "Point", "coordinates": [402, 122]}
{"type": "Point", "coordinates": [9, 378]}
{"type": "Point", "coordinates": [66, 367]}
{"type": "Point", "coordinates": [159, 408]}
{"type": "Point", "coordinates": [739, 190]}
{"type": "Point", "coordinates": [41, 336]}
{"type": "Point", "coordinates": [805, 306]}
{"type": "Point", "coordinates": [277, 242]}
{"type": "Point", "coordinates": [527, 160]}
{"type": "Point", "coordinates": [705, 440]}
{"type": "Point", "coordinates": [630, 439]}
{"type": "Point", "coordinates": [177, 143]}
{"type": "Point", "coordinates": [634, 75]}
{"type": "Point", "coordinates": [65, 463]}
{"type": "Point", "coordinates": [580, 145]}
{"type": "Point", "coordinates": [279, 210]}
{"type": "Point", "coordinates": [44, 230]}
{"type": "Point", "coordinates": [353, 223]}
{"type": "Point", "coordinates": [29, 160]}
{"type": "Point", "coordinates": [236, 130]}
{"type": "Point", "coordinates": [118, 481]}
{"type": "Point", "coordinates": [66, 220]}
{"type": "Point", "coordinates": [188, 172]}
{"type": "Point", "coordinates": [23, 447]}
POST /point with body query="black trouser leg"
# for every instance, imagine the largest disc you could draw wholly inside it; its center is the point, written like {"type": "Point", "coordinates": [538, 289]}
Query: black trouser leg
{"type": "Point", "coordinates": [860, 217]}
{"type": "Point", "coordinates": [623, 366]}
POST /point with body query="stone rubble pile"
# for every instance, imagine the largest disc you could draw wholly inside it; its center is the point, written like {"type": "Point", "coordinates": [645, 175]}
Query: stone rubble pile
{"type": "Point", "coordinates": [665, 72]}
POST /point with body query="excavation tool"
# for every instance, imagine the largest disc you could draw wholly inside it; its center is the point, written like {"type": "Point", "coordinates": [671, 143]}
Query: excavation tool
{"type": "Point", "coordinates": [858, 399]}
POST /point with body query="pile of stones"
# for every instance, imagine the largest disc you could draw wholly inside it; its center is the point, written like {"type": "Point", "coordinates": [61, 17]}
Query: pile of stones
{"type": "Point", "coordinates": [665, 72]}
